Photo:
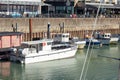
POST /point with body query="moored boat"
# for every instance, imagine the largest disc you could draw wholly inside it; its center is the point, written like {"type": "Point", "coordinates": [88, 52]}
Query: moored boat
{"type": "Point", "coordinates": [42, 50]}
{"type": "Point", "coordinates": [81, 43]}
{"type": "Point", "coordinates": [64, 37]}
{"type": "Point", "coordinates": [114, 40]}
{"type": "Point", "coordinates": [104, 38]}
{"type": "Point", "coordinates": [92, 41]}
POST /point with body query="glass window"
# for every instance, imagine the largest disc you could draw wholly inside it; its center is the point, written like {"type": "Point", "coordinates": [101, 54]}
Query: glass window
{"type": "Point", "coordinates": [63, 35]}
{"type": "Point", "coordinates": [49, 43]}
{"type": "Point", "coordinates": [40, 46]}
{"type": "Point", "coordinates": [60, 9]}
{"type": "Point", "coordinates": [24, 46]}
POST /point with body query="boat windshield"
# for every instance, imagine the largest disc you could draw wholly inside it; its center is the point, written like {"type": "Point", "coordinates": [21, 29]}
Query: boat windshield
{"type": "Point", "coordinates": [28, 46]}
{"type": "Point", "coordinates": [24, 46]}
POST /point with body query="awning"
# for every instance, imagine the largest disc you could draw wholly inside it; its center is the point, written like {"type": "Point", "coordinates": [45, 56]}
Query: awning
{"type": "Point", "coordinates": [20, 2]}
{"type": "Point", "coordinates": [112, 6]}
{"type": "Point", "coordinates": [23, 2]}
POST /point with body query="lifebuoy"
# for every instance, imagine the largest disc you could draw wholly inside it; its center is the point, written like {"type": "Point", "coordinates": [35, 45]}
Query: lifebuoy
{"type": "Point", "coordinates": [44, 44]}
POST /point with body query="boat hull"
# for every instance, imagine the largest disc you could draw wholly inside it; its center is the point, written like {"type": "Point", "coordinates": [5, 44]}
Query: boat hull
{"type": "Point", "coordinates": [114, 40]}
{"type": "Point", "coordinates": [92, 42]}
{"type": "Point", "coordinates": [104, 41]}
{"type": "Point", "coordinates": [81, 44]}
{"type": "Point", "coordinates": [47, 56]}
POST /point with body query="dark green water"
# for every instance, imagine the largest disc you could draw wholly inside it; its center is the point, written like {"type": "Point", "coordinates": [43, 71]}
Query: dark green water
{"type": "Point", "coordinates": [100, 68]}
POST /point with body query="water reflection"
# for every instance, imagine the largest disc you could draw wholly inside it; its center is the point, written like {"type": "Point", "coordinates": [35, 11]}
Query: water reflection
{"type": "Point", "coordinates": [4, 69]}
{"type": "Point", "coordinates": [100, 68]}
{"type": "Point", "coordinates": [45, 70]}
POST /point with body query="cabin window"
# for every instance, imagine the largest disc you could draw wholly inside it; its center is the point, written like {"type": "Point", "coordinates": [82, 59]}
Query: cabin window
{"type": "Point", "coordinates": [59, 35]}
{"type": "Point", "coordinates": [49, 43]}
{"type": "Point", "coordinates": [55, 35]}
{"type": "Point", "coordinates": [37, 48]}
{"type": "Point", "coordinates": [40, 46]}
{"type": "Point", "coordinates": [108, 35]}
{"type": "Point", "coordinates": [24, 46]}
{"type": "Point", "coordinates": [67, 36]}
{"type": "Point", "coordinates": [63, 36]}
{"type": "Point", "coordinates": [32, 48]}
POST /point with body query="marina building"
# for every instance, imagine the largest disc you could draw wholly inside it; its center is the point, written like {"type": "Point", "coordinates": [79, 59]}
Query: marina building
{"type": "Point", "coordinates": [58, 8]}
{"type": "Point", "coordinates": [61, 6]}
{"type": "Point", "coordinates": [83, 8]}
{"type": "Point", "coordinates": [21, 7]}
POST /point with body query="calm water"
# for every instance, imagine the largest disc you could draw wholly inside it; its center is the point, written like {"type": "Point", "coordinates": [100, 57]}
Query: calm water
{"type": "Point", "coordinates": [100, 68]}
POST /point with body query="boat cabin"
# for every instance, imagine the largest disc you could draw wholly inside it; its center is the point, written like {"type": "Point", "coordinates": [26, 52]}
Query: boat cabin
{"type": "Point", "coordinates": [99, 35]}
{"type": "Point", "coordinates": [61, 37]}
{"type": "Point", "coordinates": [106, 35]}
{"type": "Point", "coordinates": [36, 46]}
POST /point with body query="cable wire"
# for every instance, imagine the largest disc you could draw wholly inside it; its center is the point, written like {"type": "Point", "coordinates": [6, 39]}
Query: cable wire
{"type": "Point", "coordinates": [86, 57]}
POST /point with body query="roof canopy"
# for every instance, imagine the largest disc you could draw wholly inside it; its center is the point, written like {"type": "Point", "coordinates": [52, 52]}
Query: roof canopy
{"type": "Point", "coordinates": [20, 0]}
{"type": "Point", "coordinates": [104, 5]}
{"type": "Point", "coordinates": [37, 42]}
{"type": "Point", "coordinates": [24, 2]}
{"type": "Point", "coordinates": [10, 33]}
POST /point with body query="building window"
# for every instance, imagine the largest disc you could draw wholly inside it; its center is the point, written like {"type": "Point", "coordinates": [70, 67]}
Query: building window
{"type": "Point", "coordinates": [60, 9]}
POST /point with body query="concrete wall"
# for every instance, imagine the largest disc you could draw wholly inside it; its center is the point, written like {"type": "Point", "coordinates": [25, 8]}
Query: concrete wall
{"type": "Point", "coordinates": [71, 24]}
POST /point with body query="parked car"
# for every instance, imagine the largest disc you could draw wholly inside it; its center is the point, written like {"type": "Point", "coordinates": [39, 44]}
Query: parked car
{"type": "Point", "coordinates": [16, 15]}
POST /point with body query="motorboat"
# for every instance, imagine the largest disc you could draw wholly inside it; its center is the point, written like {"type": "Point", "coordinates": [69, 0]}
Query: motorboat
{"type": "Point", "coordinates": [80, 42]}
{"type": "Point", "coordinates": [92, 41]}
{"type": "Point", "coordinates": [42, 50]}
{"type": "Point", "coordinates": [104, 38]}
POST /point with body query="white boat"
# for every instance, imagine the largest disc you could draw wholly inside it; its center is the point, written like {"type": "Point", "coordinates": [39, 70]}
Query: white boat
{"type": "Point", "coordinates": [64, 37]}
{"type": "Point", "coordinates": [42, 50]}
{"type": "Point", "coordinates": [114, 40]}
{"type": "Point", "coordinates": [81, 43]}
{"type": "Point", "coordinates": [61, 37]}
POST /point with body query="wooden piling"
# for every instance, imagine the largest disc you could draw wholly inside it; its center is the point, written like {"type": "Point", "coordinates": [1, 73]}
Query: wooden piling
{"type": "Point", "coordinates": [30, 29]}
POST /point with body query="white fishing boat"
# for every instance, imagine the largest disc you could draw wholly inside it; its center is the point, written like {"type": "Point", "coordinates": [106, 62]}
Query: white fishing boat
{"type": "Point", "coordinates": [114, 39]}
{"type": "Point", "coordinates": [81, 43]}
{"type": "Point", "coordinates": [64, 37]}
{"type": "Point", "coordinates": [42, 50]}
